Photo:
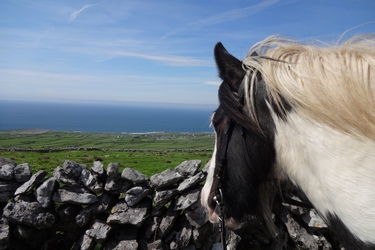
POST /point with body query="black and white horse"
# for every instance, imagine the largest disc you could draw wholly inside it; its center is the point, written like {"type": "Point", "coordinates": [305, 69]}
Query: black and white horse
{"type": "Point", "coordinates": [301, 114]}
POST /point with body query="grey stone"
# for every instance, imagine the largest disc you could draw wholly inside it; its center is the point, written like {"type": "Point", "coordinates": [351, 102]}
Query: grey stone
{"type": "Point", "coordinates": [22, 172]}
{"type": "Point", "coordinates": [136, 194]}
{"type": "Point", "coordinates": [5, 196]}
{"type": "Point", "coordinates": [69, 173]}
{"type": "Point", "coordinates": [158, 211]}
{"type": "Point", "coordinates": [26, 211]}
{"type": "Point", "coordinates": [116, 185]}
{"type": "Point", "coordinates": [61, 175]}
{"type": "Point", "coordinates": [85, 243]}
{"type": "Point", "coordinates": [313, 220]}
{"type": "Point", "coordinates": [66, 219]}
{"type": "Point", "coordinates": [122, 245]}
{"type": "Point", "coordinates": [6, 161]}
{"type": "Point", "coordinates": [85, 215]}
{"type": "Point", "coordinates": [190, 182]}
{"type": "Point", "coordinates": [123, 214]}
{"type": "Point", "coordinates": [7, 189]}
{"type": "Point", "coordinates": [6, 186]}
{"type": "Point", "coordinates": [165, 178]}
{"type": "Point", "coordinates": [99, 231]}
{"type": "Point", "coordinates": [44, 192]}
{"type": "Point", "coordinates": [35, 180]}
{"type": "Point", "coordinates": [90, 181]}
{"type": "Point", "coordinates": [151, 231]}
{"type": "Point", "coordinates": [301, 238]}
{"type": "Point", "coordinates": [322, 242]}
{"type": "Point", "coordinates": [156, 245]}
{"type": "Point", "coordinates": [167, 222]}
{"type": "Point", "coordinates": [7, 172]}
{"type": "Point", "coordinates": [188, 168]}
{"type": "Point", "coordinates": [186, 199]}
{"type": "Point", "coordinates": [293, 208]}
{"type": "Point", "coordinates": [4, 233]}
{"type": "Point", "coordinates": [74, 196]}
{"type": "Point", "coordinates": [98, 168]}
{"type": "Point", "coordinates": [196, 215]}
{"type": "Point", "coordinates": [204, 237]}
{"type": "Point", "coordinates": [181, 238]}
{"type": "Point", "coordinates": [72, 168]}
{"type": "Point", "coordinates": [112, 169]}
{"type": "Point", "coordinates": [123, 238]}
{"type": "Point", "coordinates": [232, 240]}
{"type": "Point", "coordinates": [164, 196]}
{"type": "Point", "coordinates": [133, 175]}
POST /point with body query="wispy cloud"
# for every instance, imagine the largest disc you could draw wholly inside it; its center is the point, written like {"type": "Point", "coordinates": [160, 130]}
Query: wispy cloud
{"type": "Point", "coordinates": [225, 16]}
{"type": "Point", "coordinates": [169, 60]}
{"type": "Point", "coordinates": [75, 14]}
{"type": "Point", "coordinates": [215, 83]}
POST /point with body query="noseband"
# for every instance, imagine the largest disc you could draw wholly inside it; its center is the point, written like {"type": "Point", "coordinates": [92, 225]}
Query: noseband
{"type": "Point", "coordinates": [220, 163]}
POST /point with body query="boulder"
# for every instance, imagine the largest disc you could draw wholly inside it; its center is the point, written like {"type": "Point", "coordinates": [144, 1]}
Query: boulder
{"type": "Point", "coordinates": [188, 198]}
{"type": "Point", "coordinates": [4, 234]}
{"type": "Point", "coordinates": [7, 172]}
{"type": "Point", "coordinates": [25, 210]}
{"type": "Point", "coordinates": [188, 168]}
{"type": "Point", "coordinates": [35, 180]}
{"type": "Point", "coordinates": [124, 214]}
{"type": "Point", "coordinates": [191, 182]}
{"type": "Point", "coordinates": [136, 194]}
{"type": "Point", "coordinates": [165, 178]}
{"type": "Point", "coordinates": [90, 181]}
{"type": "Point", "coordinates": [45, 191]}
{"type": "Point", "coordinates": [74, 195]}
{"type": "Point", "coordinates": [133, 175]}
{"type": "Point", "coordinates": [6, 161]}
{"type": "Point", "coordinates": [22, 172]}
{"type": "Point", "coordinates": [162, 197]}
{"type": "Point", "coordinates": [99, 231]}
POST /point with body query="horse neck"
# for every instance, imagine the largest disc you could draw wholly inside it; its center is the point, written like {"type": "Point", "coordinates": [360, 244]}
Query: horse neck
{"type": "Point", "coordinates": [331, 168]}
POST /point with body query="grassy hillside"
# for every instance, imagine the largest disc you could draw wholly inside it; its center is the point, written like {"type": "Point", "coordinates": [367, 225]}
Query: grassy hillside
{"type": "Point", "coordinates": [157, 158]}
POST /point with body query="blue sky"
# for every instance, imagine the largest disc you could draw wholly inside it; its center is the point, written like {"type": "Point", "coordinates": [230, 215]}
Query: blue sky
{"type": "Point", "coordinates": [148, 50]}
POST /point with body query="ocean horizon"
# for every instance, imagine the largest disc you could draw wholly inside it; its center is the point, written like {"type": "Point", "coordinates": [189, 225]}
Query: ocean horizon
{"type": "Point", "coordinates": [105, 118]}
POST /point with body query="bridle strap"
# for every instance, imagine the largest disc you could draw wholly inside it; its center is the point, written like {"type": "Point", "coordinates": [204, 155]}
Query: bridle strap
{"type": "Point", "coordinates": [218, 198]}
{"type": "Point", "coordinates": [222, 231]}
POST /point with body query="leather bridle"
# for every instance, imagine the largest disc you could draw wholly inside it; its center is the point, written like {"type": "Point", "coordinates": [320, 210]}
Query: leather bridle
{"type": "Point", "coordinates": [220, 164]}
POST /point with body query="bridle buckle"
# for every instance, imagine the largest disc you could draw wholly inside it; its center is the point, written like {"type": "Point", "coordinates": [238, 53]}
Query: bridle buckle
{"type": "Point", "coordinates": [220, 205]}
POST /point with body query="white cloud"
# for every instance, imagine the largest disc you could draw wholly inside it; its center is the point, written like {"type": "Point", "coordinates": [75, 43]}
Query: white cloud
{"type": "Point", "coordinates": [75, 14]}
{"type": "Point", "coordinates": [169, 60]}
{"type": "Point", "coordinates": [226, 16]}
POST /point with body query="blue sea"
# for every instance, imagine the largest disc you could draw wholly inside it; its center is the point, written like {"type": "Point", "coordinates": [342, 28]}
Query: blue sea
{"type": "Point", "coordinates": [100, 118]}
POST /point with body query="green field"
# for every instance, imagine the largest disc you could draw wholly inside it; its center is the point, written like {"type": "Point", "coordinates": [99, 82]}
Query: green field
{"type": "Point", "coordinates": [39, 139]}
{"type": "Point", "coordinates": [152, 153]}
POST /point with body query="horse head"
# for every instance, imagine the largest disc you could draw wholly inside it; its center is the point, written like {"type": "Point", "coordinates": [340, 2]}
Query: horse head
{"type": "Point", "coordinates": [300, 114]}
{"type": "Point", "coordinates": [244, 153]}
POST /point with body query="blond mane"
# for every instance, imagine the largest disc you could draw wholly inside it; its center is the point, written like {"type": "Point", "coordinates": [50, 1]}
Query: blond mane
{"type": "Point", "coordinates": [333, 85]}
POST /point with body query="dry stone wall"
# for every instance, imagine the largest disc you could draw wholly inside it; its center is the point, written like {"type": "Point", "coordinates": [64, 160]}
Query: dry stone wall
{"type": "Point", "coordinates": [98, 207]}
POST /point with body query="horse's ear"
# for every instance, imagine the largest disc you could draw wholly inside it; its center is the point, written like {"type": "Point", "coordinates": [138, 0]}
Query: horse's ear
{"type": "Point", "coordinates": [230, 68]}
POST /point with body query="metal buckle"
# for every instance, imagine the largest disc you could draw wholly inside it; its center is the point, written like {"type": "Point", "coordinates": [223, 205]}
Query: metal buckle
{"type": "Point", "coordinates": [220, 205]}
